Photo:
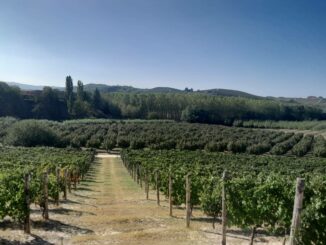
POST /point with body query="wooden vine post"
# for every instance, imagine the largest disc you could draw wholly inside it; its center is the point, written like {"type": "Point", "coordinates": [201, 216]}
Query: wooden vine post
{"type": "Point", "coordinates": [75, 180]}
{"type": "Point", "coordinates": [140, 177]}
{"type": "Point", "coordinates": [65, 181]}
{"type": "Point", "coordinates": [295, 226]}
{"type": "Point", "coordinates": [69, 181]}
{"type": "Point", "coordinates": [170, 193]}
{"type": "Point", "coordinates": [224, 209]}
{"type": "Point", "coordinates": [158, 187]}
{"type": "Point", "coordinates": [137, 174]}
{"type": "Point", "coordinates": [134, 173]}
{"type": "Point", "coordinates": [57, 172]}
{"type": "Point", "coordinates": [27, 220]}
{"type": "Point", "coordinates": [188, 198]}
{"type": "Point", "coordinates": [78, 176]}
{"type": "Point", "coordinates": [146, 185]}
{"type": "Point", "coordinates": [46, 195]}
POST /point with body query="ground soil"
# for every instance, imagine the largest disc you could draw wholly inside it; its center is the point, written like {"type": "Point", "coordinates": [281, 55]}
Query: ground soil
{"type": "Point", "coordinates": [110, 208]}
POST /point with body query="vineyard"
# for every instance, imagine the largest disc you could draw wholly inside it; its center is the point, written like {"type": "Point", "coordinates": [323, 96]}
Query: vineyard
{"type": "Point", "coordinates": [300, 125]}
{"type": "Point", "coordinates": [160, 135]}
{"type": "Point", "coordinates": [38, 175]}
{"type": "Point", "coordinates": [259, 189]}
{"type": "Point", "coordinates": [183, 161]}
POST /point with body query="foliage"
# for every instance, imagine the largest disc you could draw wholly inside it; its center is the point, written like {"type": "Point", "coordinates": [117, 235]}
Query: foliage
{"type": "Point", "coordinates": [260, 190]}
{"type": "Point", "coordinates": [16, 162]}
{"type": "Point", "coordinates": [213, 107]}
{"type": "Point", "coordinates": [284, 147]}
{"type": "Point", "coordinates": [32, 133]}
{"type": "Point", "coordinates": [303, 146]}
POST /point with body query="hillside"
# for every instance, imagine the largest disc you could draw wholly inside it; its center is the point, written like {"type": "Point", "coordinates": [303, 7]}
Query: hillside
{"type": "Point", "coordinates": [104, 88]}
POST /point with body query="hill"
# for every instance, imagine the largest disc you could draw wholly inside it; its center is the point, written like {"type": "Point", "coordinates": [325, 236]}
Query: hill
{"type": "Point", "coordinates": [103, 88]}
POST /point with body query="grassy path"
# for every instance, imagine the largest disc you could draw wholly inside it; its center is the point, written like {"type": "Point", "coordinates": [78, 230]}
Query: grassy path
{"type": "Point", "coordinates": [109, 208]}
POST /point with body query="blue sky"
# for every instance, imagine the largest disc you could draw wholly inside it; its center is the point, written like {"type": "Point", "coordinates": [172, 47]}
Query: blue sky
{"type": "Point", "coordinates": [265, 47]}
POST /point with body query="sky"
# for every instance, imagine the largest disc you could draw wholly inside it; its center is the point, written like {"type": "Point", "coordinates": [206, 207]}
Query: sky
{"type": "Point", "coordinates": [264, 47]}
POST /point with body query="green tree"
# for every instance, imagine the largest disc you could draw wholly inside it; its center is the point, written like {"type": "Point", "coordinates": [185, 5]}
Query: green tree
{"type": "Point", "coordinates": [69, 93]}
{"type": "Point", "coordinates": [32, 133]}
{"type": "Point", "coordinates": [49, 105]}
{"type": "Point", "coordinates": [97, 100]}
{"type": "Point", "coordinates": [80, 91]}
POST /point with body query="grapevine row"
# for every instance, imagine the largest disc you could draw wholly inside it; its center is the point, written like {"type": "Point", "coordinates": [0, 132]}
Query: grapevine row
{"type": "Point", "coordinates": [35, 175]}
{"type": "Point", "coordinates": [258, 193]}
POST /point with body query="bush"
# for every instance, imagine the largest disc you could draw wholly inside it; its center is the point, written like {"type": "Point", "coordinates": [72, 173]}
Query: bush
{"type": "Point", "coordinates": [93, 142]}
{"type": "Point", "coordinates": [109, 143]}
{"type": "Point", "coordinates": [237, 146]}
{"type": "Point", "coordinates": [137, 144]}
{"type": "Point", "coordinates": [287, 145]}
{"type": "Point", "coordinates": [123, 142]}
{"type": "Point", "coordinates": [303, 146]}
{"type": "Point", "coordinates": [320, 147]}
{"type": "Point", "coordinates": [164, 145]}
{"type": "Point", "coordinates": [216, 146]}
{"type": "Point", "coordinates": [32, 133]}
{"type": "Point", "coordinates": [260, 148]}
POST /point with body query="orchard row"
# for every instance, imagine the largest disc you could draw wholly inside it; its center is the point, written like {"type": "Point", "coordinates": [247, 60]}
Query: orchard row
{"type": "Point", "coordinates": [184, 136]}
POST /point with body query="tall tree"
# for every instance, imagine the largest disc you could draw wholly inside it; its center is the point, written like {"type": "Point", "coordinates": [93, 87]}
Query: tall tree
{"type": "Point", "coordinates": [69, 93]}
{"type": "Point", "coordinates": [97, 100]}
{"type": "Point", "coordinates": [49, 106]}
{"type": "Point", "coordinates": [80, 91]}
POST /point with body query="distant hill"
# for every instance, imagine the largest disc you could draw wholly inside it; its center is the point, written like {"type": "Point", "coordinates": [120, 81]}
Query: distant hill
{"type": "Point", "coordinates": [28, 87]}
{"type": "Point", "coordinates": [309, 101]}
{"type": "Point", "coordinates": [229, 92]}
{"type": "Point", "coordinates": [101, 87]}
{"type": "Point", "coordinates": [128, 89]}
{"type": "Point", "coordinates": [313, 101]}
{"type": "Point", "coordinates": [24, 86]}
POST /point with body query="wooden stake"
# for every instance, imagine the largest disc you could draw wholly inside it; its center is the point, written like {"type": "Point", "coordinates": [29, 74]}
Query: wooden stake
{"type": "Point", "coordinates": [78, 176]}
{"type": "Point", "coordinates": [58, 183]}
{"type": "Point", "coordinates": [140, 177]}
{"type": "Point", "coordinates": [137, 173]}
{"type": "Point", "coordinates": [146, 186]}
{"type": "Point", "coordinates": [252, 237]}
{"type": "Point", "coordinates": [295, 226]}
{"type": "Point", "coordinates": [170, 194]}
{"type": "Point", "coordinates": [65, 185]}
{"type": "Point", "coordinates": [69, 181]}
{"type": "Point", "coordinates": [224, 211]}
{"type": "Point", "coordinates": [75, 179]}
{"type": "Point", "coordinates": [188, 197]}
{"type": "Point", "coordinates": [46, 195]}
{"type": "Point", "coordinates": [27, 220]}
{"type": "Point", "coordinates": [158, 187]}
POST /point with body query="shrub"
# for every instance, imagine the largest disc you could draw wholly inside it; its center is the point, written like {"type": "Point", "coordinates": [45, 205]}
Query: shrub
{"type": "Point", "coordinates": [287, 145]}
{"type": "Point", "coordinates": [320, 147]}
{"type": "Point", "coordinates": [303, 146]}
{"type": "Point", "coordinates": [260, 148]}
{"type": "Point", "coordinates": [32, 133]}
{"type": "Point", "coordinates": [216, 146]}
{"type": "Point", "coordinates": [237, 146]}
{"type": "Point", "coordinates": [137, 144]}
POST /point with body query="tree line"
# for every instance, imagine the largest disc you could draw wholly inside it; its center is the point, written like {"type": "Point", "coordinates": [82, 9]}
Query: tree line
{"type": "Point", "coordinates": [78, 103]}
{"type": "Point", "coordinates": [52, 104]}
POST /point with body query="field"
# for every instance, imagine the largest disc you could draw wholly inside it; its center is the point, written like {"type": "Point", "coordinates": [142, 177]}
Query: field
{"type": "Point", "coordinates": [51, 164]}
{"type": "Point", "coordinates": [110, 208]}
{"type": "Point", "coordinates": [313, 126]}
{"type": "Point", "coordinates": [159, 135]}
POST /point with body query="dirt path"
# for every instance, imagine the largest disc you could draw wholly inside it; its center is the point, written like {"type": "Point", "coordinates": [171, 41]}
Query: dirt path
{"type": "Point", "coordinates": [109, 208]}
